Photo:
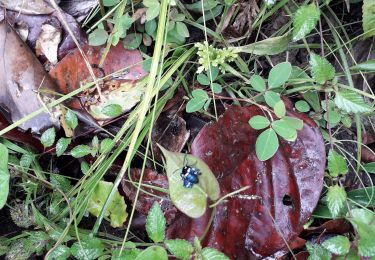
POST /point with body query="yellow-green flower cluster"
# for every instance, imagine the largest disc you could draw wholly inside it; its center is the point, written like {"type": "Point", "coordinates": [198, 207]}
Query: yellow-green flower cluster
{"type": "Point", "coordinates": [209, 55]}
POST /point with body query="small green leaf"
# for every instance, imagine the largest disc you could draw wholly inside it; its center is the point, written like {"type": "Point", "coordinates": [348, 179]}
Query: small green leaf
{"type": "Point", "coordinates": [150, 27]}
{"type": "Point", "coordinates": [321, 69]}
{"type": "Point", "coordinates": [153, 9]}
{"type": "Point", "coordinates": [106, 145]}
{"type": "Point", "coordinates": [155, 223]}
{"type": "Point", "coordinates": [212, 73]}
{"type": "Point", "coordinates": [4, 175]}
{"type": "Point", "coordinates": [132, 41]}
{"type": "Point", "coordinates": [154, 253]}
{"type": "Point", "coordinates": [294, 122]}
{"type": "Point", "coordinates": [266, 144]}
{"type": "Point", "coordinates": [80, 151]}
{"type": "Point", "coordinates": [89, 248]}
{"type": "Point", "coordinates": [110, 2]}
{"type": "Point", "coordinates": [258, 83]}
{"type": "Point", "coordinates": [351, 102]}
{"type": "Point", "coordinates": [317, 252]}
{"type": "Point", "coordinates": [212, 254]}
{"type": "Point", "coordinates": [368, 18]}
{"type": "Point", "coordinates": [279, 75]}
{"type": "Point", "coordinates": [48, 137]}
{"type": "Point", "coordinates": [336, 164]}
{"type": "Point", "coordinates": [200, 97]}
{"type": "Point", "coordinates": [116, 210]}
{"type": "Point", "coordinates": [112, 110]}
{"type": "Point", "coordinates": [180, 248]}
{"type": "Point", "coordinates": [26, 160]}
{"type": "Point", "coordinates": [60, 182]}
{"type": "Point", "coordinates": [346, 121]}
{"type": "Point", "coordinates": [333, 117]}
{"type": "Point", "coordinates": [270, 46]}
{"type": "Point", "coordinates": [98, 37]}
{"type": "Point", "coordinates": [305, 20]}
{"type": "Point", "coordinates": [61, 145]}
{"type": "Point", "coordinates": [203, 79]}
{"type": "Point", "coordinates": [71, 119]}
{"type": "Point", "coordinates": [216, 88]}
{"type": "Point", "coordinates": [370, 167]}
{"type": "Point", "coordinates": [279, 109]}
{"type": "Point", "coordinates": [182, 29]}
{"type": "Point", "coordinates": [283, 129]}
{"type": "Point", "coordinates": [271, 98]}
{"type": "Point", "coordinates": [338, 245]}
{"type": "Point", "coordinates": [302, 106]}
{"type": "Point", "coordinates": [85, 167]}
{"type": "Point", "coordinates": [336, 197]}
{"type": "Point", "coordinates": [259, 122]}
{"type": "Point", "coordinates": [61, 252]}
{"type": "Point", "coordinates": [190, 201]}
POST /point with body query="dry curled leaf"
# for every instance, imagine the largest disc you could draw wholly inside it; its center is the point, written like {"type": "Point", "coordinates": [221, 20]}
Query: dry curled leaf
{"type": "Point", "coordinates": [48, 42]}
{"type": "Point", "coordinates": [289, 185]}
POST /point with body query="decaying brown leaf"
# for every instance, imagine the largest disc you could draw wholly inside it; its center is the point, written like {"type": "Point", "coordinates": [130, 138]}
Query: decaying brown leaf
{"type": "Point", "coordinates": [21, 78]}
{"type": "Point", "coordinates": [28, 6]}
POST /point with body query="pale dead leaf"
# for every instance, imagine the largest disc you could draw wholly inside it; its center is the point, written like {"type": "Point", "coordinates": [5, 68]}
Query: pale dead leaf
{"type": "Point", "coordinates": [48, 42]}
{"type": "Point", "coordinates": [28, 6]}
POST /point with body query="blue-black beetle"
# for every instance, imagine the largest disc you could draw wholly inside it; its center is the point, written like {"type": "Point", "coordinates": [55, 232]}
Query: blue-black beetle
{"type": "Point", "coordinates": [190, 176]}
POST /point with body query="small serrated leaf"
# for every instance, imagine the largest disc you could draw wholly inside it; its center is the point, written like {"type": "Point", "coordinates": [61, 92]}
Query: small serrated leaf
{"type": "Point", "coordinates": [336, 197]}
{"type": "Point", "coordinates": [321, 69]}
{"type": "Point", "coordinates": [48, 137]}
{"type": "Point", "coordinates": [351, 102]}
{"type": "Point", "coordinates": [80, 151]}
{"type": "Point", "coordinates": [305, 20]}
{"type": "Point", "coordinates": [62, 145]}
{"type": "Point", "coordinates": [112, 110]}
{"type": "Point", "coordinates": [368, 18]}
{"type": "Point", "coordinates": [71, 119]}
{"type": "Point", "coordinates": [155, 223]}
{"type": "Point", "coordinates": [338, 245]}
{"type": "Point", "coordinates": [106, 145]}
{"type": "Point", "coordinates": [336, 164]}
{"type": "Point", "coordinates": [209, 253]}
{"type": "Point", "coordinates": [180, 248]}
{"type": "Point", "coordinates": [26, 160]}
{"type": "Point", "coordinates": [89, 248]}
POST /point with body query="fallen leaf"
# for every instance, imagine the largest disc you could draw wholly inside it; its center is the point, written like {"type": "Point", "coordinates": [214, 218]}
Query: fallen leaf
{"type": "Point", "coordinates": [78, 9]}
{"type": "Point", "coordinates": [28, 7]}
{"type": "Point", "coordinates": [48, 42]}
{"type": "Point", "coordinates": [122, 88]}
{"type": "Point", "coordinates": [21, 77]}
{"type": "Point", "coordinates": [289, 185]}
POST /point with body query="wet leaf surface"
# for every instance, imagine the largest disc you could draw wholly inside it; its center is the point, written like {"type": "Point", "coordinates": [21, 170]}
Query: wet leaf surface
{"type": "Point", "coordinates": [21, 77]}
{"type": "Point", "coordinates": [289, 185]}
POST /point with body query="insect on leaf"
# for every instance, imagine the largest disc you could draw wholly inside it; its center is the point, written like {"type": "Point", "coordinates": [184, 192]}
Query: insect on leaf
{"type": "Point", "coordinates": [193, 201]}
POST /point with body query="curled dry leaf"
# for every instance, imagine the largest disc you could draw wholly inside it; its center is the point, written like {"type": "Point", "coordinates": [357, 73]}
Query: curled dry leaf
{"type": "Point", "coordinates": [289, 185]}
{"type": "Point", "coordinates": [146, 200]}
{"type": "Point", "coordinates": [21, 77]}
{"type": "Point", "coordinates": [31, 27]}
{"type": "Point", "coordinates": [33, 7]}
{"type": "Point", "coordinates": [123, 88]}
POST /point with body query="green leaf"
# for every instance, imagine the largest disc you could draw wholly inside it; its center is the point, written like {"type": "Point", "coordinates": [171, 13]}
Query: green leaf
{"type": "Point", "coordinates": [26, 160]}
{"type": "Point", "coordinates": [266, 144]}
{"type": "Point", "coordinates": [48, 137]}
{"type": "Point", "coordinates": [279, 109]}
{"type": "Point", "coordinates": [216, 88]}
{"type": "Point", "coordinates": [85, 167]}
{"type": "Point", "coordinates": [313, 99]}
{"type": "Point", "coordinates": [212, 254]}
{"type": "Point", "coordinates": [351, 102]}
{"type": "Point", "coordinates": [150, 27]}
{"type": "Point", "coordinates": [317, 252]}
{"type": "Point", "coordinates": [212, 73]}
{"type": "Point", "coordinates": [363, 196]}
{"type": "Point", "coordinates": [279, 74]}
{"type": "Point", "coordinates": [112, 110]}
{"type": "Point", "coordinates": [258, 83]}
{"type": "Point", "coordinates": [270, 46]}
{"type": "Point", "coordinates": [336, 164]}
{"type": "Point", "coordinates": [71, 119]}
{"type": "Point", "coordinates": [200, 97]}
{"type": "Point", "coordinates": [336, 197]}
{"type": "Point", "coordinates": [153, 9]}
{"type": "Point", "coordinates": [98, 37]}
{"type": "Point", "coordinates": [182, 29]}
{"type": "Point", "coordinates": [321, 69]}
{"type": "Point", "coordinates": [203, 79]}
{"type": "Point", "coordinates": [333, 117]}
{"type": "Point", "coordinates": [80, 151]}
{"type": "Point", "coordinates": [106, 145]}
{"type": "Point", "coordinates": [130, 254]}
{"type": "Point", "coordinates": [302, 106]}
{"type": "Point", "coordinates": [4, 175]}
{"type": "Point", "coordinates": [110, 2]}
{"type": "Point", "coordinates": [370, 167]}
{"type": "Point", "coordinates": [95, 146]}
{"type": "Point", "coordinates": [368, 18]}
{"type": "Point", "coordinates": [271, 98]}
{"type": "Point", "coordinates": [60, 182]}
{"type": "Point", "coordinates": [155, 223]}
{"type": "Point", "coordinates": [193, 201]}
{"type": "Point", "coordinates": [154, 253]}
{"type": "Point", "coordinates": [365, 66]}
{"type": "Point", "coordinates": [294, 122]}
{"type": "Point", "coordinates": [132, 41]}
{"type": "Point", "coordinates": [283, 129]}
{"type": "Point", "coordinates": [180, 248]}
{"type": "Point", "coordinates": [305, 20]}
{"type": "Point", "coordinates": [61, 145]}
{"type": "Point", "coordinates": [61, 252]}
{"type": "Point", "coordinates": [87, 249]}
{"type": "Point", "coordinates": [116, 210]}
{"type": "Point", "coordinates": [363, 221]}
{"type": "Point", "coordinates": [338, 245]}
{"type": "Point", "coordinates": [259, 122]}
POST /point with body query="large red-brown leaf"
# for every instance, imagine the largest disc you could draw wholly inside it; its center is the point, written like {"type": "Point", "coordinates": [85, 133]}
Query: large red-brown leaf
{"type": "Point", "coordinates": [289, 185]}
